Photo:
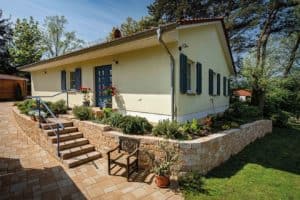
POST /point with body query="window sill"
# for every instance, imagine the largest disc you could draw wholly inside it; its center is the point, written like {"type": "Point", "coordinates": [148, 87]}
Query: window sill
{"type": "Point", "coordinates": [191, 93]}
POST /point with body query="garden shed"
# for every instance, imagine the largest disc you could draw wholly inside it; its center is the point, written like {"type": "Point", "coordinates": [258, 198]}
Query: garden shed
{"type": "Point", "coordinates": [12, 87]}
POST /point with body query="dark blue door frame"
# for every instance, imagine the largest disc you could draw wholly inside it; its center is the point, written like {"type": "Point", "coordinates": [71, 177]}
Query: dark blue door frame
{"type": "Point", "coordinates": [103, 79]}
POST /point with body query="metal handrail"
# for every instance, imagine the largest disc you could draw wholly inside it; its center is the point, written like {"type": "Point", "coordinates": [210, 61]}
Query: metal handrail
{"type": "Point", "coordinates": [54, 95]}
{"type": "Point", "coordinates": [59, 124]}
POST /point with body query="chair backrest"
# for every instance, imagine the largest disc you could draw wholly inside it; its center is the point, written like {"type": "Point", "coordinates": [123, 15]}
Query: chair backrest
{"type": "Point", "coordinates": [128, 144]}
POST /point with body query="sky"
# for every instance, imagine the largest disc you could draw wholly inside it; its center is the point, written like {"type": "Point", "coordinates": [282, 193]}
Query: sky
{"type": "Point", "coordinates": [92, 20]}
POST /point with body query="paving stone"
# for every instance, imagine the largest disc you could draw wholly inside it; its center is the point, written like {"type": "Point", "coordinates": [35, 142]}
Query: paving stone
{"type": "Point", "coordinates": [27, 171]}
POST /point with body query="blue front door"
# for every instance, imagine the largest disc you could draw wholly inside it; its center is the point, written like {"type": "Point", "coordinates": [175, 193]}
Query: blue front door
{"type": "Point", "coordinates": [103, 81]}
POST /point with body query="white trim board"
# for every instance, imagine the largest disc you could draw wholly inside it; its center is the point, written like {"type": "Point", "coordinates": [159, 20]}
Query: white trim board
{"type": "Point", "coordinates": [202, 114]}
{"type": "Point", "coordinates": [154, 117]}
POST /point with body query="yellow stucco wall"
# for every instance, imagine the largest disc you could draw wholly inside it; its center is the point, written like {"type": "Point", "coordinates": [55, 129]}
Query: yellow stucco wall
{"type": "Point", "coordinates": [204, 47]}
{"type": "Point", "coordinates": [142, 79]}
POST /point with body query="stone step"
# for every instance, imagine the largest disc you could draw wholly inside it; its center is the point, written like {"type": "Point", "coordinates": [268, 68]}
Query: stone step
{"type": "Point", "coordinates": [76, 151]}
{"type": "Point", "coordinates": [81, 159]}
{"type": "Point", "coordinates": [72, 143]}
{"type": "Point", "coordinates": [66, 137]}
{"type": "Point", "coordinates": [64, 131]}
{"type": "Point", "coordinates": [47, 126]}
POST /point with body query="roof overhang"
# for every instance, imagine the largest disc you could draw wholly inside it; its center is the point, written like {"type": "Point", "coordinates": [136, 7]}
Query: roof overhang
{"type": "Point", "coordinates": [136, 41]}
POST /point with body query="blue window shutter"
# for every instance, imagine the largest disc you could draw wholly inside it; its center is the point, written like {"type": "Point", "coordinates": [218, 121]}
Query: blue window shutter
{"type": "Point", "coordinates": [63, 80]}
{"type": "Point", "coordinates": [224, 86]}
{"type": "Point", "coordinates": [228, 92]}
{"type": "Point", "coordinates": [210, 82]}
{"type": "Point", "coordinates": [78, 78]}
{"type": "Point", "coordinates": [199, 78]}
{"type": "Point", "coordinates": [218, 84]}
{"type": "Point", "coordinates": [183, 73]}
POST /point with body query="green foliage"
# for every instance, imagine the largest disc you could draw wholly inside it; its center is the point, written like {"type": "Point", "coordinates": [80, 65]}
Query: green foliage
{"type": "Point", "coordinates": [5, 39]}
{"type": "Point", "coordinates": [107, 112]}
{"type": "Point", "coordinates": [280, 119]}
{"type": "Point", "coordinates": [26, 106]}
{"type": "Point", "coordinates": [167, 163]}
{"type": "Point", "coordinates": [191, 181]}
{"type": "Point", "coordinates": [58, 107]}
{"type": "Point", "coordinates": [26, 46]}
{"type": "Point", "coordinates": [242, 112]}
{"type": "Point", "coordinates": [115, 119]}
{"type": "Point", "coordinates": [83, 112]}
{"type": "Point", "coordinates": [56, 40]}
{"type": "Point", "coordinates": [135, 125]}
{"type": "Point", "coordinates": [168, 129]}
{"type": "Point", "coordinates": [269, 164]}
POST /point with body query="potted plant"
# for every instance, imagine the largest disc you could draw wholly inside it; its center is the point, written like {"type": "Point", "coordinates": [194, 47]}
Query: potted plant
{"type": "Point", "coordinates": [110, 91]}
{"type": "Point", "coordinates": [86, 95]}
{"type": "Point", "coordinates": [165, 165]}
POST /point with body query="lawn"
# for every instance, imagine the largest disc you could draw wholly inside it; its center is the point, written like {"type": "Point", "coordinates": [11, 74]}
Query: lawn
{"type": "Point", "coordinates": [267, 169]}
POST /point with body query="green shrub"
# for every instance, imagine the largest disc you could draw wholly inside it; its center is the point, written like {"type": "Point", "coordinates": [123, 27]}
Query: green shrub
{"type": "Point", "coordinates": [191, 181]}
{"type": "Point", "coordinates": [107, 112]}
{"type": "Point", "coordinates": [115, 119]}
{"type": "Point", "coordinates": [241, 112]}
{"type": "Point", "coordinates": [134, 125]}
{"type": "Point", "coordinates": [58, 107]}
{"type": "Point", "coordinates": [281, 118]}
{"type": "Point", "coordinates": [26, 106]}
{"type": "Point", "coordinates": [83, 112]}
{"type": "Point", "coordinates": [168, 129]}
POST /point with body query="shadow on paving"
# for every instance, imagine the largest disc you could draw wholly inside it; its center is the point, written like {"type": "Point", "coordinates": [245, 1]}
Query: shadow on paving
{"type": "Point", "coordinates": [279, 150]}
{"type": "Point", "coordinates": [17, 182]}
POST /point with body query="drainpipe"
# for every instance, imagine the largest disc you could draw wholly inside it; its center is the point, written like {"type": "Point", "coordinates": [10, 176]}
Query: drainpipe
{"type": "Point", "coordinates": [172, 66]}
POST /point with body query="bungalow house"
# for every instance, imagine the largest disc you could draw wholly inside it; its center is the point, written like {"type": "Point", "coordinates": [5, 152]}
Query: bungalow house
{"type": "Point", "coordinates": [176, 71]}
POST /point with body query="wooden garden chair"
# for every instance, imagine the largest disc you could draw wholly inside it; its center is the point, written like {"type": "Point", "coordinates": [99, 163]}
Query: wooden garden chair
{"type": "Point", "coordinates": [126, 154]}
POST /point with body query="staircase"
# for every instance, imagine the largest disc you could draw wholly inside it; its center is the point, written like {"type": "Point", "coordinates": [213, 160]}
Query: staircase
{"type": "Point", "coordinates": [74, 148]}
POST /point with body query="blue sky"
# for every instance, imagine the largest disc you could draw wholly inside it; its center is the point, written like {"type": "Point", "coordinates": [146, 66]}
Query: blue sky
{"type": "Point", "coordinates": [91, 19]}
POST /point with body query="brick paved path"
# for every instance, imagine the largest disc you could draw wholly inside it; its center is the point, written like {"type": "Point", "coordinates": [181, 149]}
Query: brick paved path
{"type": "Point", "coordinates": [29, 172]}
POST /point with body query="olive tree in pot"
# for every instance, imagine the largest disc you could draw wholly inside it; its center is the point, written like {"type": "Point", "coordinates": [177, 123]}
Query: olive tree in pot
{"type": "Point", "coordinates": [165, 164]}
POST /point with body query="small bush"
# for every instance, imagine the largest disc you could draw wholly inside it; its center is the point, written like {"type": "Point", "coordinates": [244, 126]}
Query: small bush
{"type": "Point", "coordinates": [58, 107]}
{"type": "Point", "coordinates": [115, 119]}
{"type": "Point", "coordinates": [26, 106]}
{"type": "Point", "coordinates": [135, 125]}
{"type": "Point", "coordinates": [107, 112]}
{"type": "Point", "coordinates": [191, 181]}
{"type": "Point", "coordinates": [281, 119]}
{"type": "Point", "coordinates": [83, 112]}
{"type": "Point", "coordinates": [242, 112]}
{"type": "Point", "coordinates": [168, 129]}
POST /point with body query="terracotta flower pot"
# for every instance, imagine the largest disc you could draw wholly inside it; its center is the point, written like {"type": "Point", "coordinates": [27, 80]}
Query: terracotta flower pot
{"type": "Point", "coordinates": [162, 181]}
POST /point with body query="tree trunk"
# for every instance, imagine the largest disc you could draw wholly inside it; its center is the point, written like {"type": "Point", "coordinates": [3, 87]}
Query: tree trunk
{"type": "Point", "coordinates": [258, 98]}
{"type": "Point", "coordinates": [292, 57]}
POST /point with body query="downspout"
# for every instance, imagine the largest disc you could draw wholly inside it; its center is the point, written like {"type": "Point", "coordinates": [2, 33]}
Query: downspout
{"type": "Point", "coordinates": [172, 67]}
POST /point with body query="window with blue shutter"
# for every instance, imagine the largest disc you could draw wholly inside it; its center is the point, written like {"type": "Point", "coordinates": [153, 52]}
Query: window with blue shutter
{"type": "Point", "coordinates": [199, 78]}
{"type": "Point", "coordinates": [228, 85]}
{"type": "Point", "coordinates": [218, 84]}
{"type": "Point", "coordinates": [78, 78]}
{"type": "Point", "coordinates": [224, 86]}
{"type": "Point", "coordinates": [63, 80]}
{"type": "Point", "coordinates": [210, 82]}
{"type": "Point", "coordinates": [183, 73]}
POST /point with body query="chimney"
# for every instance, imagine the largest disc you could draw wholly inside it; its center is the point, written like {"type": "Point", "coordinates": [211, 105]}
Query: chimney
{"type": "Point", "coordinates": [117, 33]}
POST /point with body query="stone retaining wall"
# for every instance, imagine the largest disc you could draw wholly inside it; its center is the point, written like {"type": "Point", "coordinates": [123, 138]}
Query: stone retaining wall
{"type": "Point", "coordinates": [202, 154]}
{"type": "Point", "coordinates": [32, 130]}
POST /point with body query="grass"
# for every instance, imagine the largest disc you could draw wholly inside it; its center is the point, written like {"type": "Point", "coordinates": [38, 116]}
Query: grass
{"type": "Point", "coordinates": [267, 169]}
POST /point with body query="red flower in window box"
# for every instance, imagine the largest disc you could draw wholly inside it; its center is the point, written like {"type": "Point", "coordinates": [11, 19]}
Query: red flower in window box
{"type": "Point", "coordinates": [110, 90]}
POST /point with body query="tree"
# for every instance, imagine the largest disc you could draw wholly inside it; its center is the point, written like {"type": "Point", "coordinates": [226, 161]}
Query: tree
{"type": "Point", "coordinates": [26, 46]}
{"type": "Point", "coordinates": [56, 40]}
{"type": "Point", "coordinates": [250, 24]}
{"type": "Point", "coordinates": [5, 38]}
{"type": "Point", "coordinates": [131, 26]}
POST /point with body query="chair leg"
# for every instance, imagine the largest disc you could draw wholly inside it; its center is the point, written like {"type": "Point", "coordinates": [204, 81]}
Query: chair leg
{"type": "Point", "coordinates": [128, 172]}
{"type": "Point", "coordinates": [137, 166]}
{"type": "Point", "coordinates": [108, 169]}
